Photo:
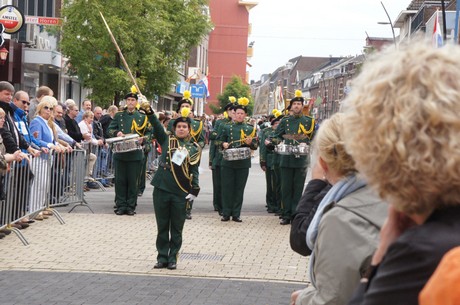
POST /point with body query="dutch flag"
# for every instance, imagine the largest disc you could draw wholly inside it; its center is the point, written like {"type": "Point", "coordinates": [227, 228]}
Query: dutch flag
{"type": "Point", "coordinates": [437, 35]}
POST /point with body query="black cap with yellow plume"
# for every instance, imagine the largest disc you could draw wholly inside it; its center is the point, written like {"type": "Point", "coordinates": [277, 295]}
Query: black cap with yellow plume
{"type": "Point", "coordinates": [243, 103]}
{"type": "Point", "coordinates": [185, 100]}
{"type": "Point", "coordinates": [231, 103]}
{"type": "Point", "coordinates": [132, 94]}
{"type": "Point", "coordinates": [184, 117]}
{"type": "Point", "coordinates": [298, 98]}
{"type": "Point", "coordinates": [277, 115]}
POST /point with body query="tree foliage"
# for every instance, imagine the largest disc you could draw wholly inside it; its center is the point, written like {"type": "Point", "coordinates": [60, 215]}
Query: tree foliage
{"type": "Point", "coordinates": [155, 37]}
{"type": "Point", "coordinates": [237, 88]}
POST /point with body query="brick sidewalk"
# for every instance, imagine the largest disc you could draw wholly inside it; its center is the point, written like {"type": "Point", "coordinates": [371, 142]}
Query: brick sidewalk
{"type": "Point", "coordinates": [257, 249]}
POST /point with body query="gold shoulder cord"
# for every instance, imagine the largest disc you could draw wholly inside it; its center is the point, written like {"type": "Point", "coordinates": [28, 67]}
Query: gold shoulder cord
{"type": "Point", "coordinates": [244, 136]}
{"type": "Point", "coordinates": [139, 130]}
{"type": "Point", "coordinates": [195, 158]}
{"type": "Point", "coordinates": [304, 131]}
{"type": "Point", "coordinates": [174, 143]}
{"type": "Point", "coordinates": [197, 132]}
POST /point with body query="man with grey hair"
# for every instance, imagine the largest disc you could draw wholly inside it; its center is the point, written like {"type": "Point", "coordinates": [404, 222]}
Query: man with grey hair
{"type": "Point", "coordinates": [41, 92]}
{"type": "Point", "coordinates": [86, 106]}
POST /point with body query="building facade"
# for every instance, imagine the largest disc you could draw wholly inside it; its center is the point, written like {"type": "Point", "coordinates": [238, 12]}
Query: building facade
{"type": "Point", "coordinates": [228, 45]}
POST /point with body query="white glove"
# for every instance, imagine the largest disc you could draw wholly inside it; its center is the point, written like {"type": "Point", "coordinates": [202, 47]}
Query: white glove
{"type": "Point", "coordinates": [190, 197]}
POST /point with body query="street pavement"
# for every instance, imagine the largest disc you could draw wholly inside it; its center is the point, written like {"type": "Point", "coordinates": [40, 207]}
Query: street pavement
{"type": "Point", "coordinates": [103, 258]}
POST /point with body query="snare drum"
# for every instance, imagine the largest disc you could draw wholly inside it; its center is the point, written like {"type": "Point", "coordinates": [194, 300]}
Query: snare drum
{"type": "Point", "coordinates": [301, 150]}
{"type": "Point", "coordinates": [233, 154]}
{"type": "Point", "coordinates": [124, 144]}
{"type": "Point", "coordinates": [283, 149]}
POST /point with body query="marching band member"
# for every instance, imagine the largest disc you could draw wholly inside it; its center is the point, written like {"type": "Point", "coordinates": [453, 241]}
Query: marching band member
{"type": "Point", "coordinates": [267, 163]}
{"type": "Point", "coordinates": [175, 182]}
{"type": "Point", "coordinates": [215, 155]}
{"type": "Point", "coordinates": [127, 164]}
{"type": "Point", "coordinates": [235, 171]}
{"type": "Point", "coordinates": [296, 130]}
{"type": "Point", "coordinates": [196, 132]}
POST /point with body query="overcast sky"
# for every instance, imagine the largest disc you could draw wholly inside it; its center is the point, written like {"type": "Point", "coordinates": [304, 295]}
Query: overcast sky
{"type": "Point", "coordinates": [284, 29]}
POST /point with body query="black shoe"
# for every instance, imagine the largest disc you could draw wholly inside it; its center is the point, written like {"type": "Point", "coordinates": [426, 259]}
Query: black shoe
{"type": "Point", "coordinates": [130, 212]}
{"type": "Point", "coordinates": [172, 266]}
{"type": "Point", "coordinates": [188, 216]}
{"type": "Point", "coordinates": [225, 218]}
{"type": "Point", "coordinates": [237, 219]}
{"type": "Point", "coordinates": [285, 221]}
{"type": "Point", "coordinates": [270, 211]}
{"type": "Point", "coordinates": [160, 265]}
{"type": "Point", "coordinates": [120, 212]}
{"type": "Point", "coordinates": [2, 235]}
{"type": "Point", "coordinates": [139, 194]}
{"type": "Point", "coordinates": [220, 213]}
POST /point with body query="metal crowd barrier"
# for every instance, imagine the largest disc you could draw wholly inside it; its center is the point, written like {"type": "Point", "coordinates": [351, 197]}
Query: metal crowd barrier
{"type": "Point", "coordinates": [103, 170]}
{"type": "Point", "coordinates": [48, 181]}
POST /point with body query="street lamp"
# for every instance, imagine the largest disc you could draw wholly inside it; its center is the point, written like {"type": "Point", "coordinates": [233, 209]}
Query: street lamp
{"type": "Point", "coordinates": [389, 22]}
{"type": "Point", "coordinates": [3, 55]}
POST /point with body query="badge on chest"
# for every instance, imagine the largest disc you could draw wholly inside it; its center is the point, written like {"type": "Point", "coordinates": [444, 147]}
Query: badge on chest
{"type": "Point", "coordinates": [179, 156]}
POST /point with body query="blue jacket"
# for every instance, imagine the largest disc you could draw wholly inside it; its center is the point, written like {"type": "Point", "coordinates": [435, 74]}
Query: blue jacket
{"type": "Point", "coordinates": [45, 137]}
{"type": "Point", "coordinates": [20, 119]}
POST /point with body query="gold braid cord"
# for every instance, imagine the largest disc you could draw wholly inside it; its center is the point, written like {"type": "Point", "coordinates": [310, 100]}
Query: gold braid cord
{"type": "Point", "coordinates": [244, 136]}
{"type": "Point", "coordinates": [304, 131]}
{"type": "Point", "coordinates": [197, 132]}
{"type": "Point", "coordinates": [195, 158]}
{"type": "Point", "coordinates": [139, 130]}
{"type": "Point", "coordinates": [173, 146]}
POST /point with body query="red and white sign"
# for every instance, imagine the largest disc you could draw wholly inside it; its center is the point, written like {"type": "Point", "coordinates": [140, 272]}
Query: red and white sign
{"type": "Point", "coordinates": [12, 18]}
{"type": "Point", "coordinates": [43, 20]}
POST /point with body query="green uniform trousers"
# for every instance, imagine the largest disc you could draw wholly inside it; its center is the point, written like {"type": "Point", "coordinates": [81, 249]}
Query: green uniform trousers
{"type": "Point", "coordinates": [142, 174]}
{"type": "Point", "coordinates": [292, 183]}
{"type": "Point", "coordinates": [126, 184]}
{"type": "Point", "coordinates": [217, 188]}
{"type": "Point", "coordinates": [276, 180]}
{"type": "Point", "coordinates": [269, 189]}
{"type": "Point", "coordinates": [233, 184]}
{"type": "Point", "coordinates": [170, 217]}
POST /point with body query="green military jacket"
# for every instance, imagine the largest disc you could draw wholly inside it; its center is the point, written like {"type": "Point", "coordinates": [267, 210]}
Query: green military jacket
{"type": "Point", "coordinates": [128, 123]}
{"type": "Point", "coordinates": [266, 155]}
{"type": "Point", "coordinates": [171, 177]}
{"type": "Point", "coordinates": [215, 149]}
{"type": "Point", "coordinates": [232, 133]}
{"type": "Point", "coordinates": [196, 132]}
{"type": "Point", "coordinates": [293, 125]}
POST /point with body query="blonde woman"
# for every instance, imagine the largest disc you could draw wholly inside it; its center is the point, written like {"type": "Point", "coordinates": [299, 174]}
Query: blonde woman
{"type": "Point", "coordinates": [46, 134]}
{"type": "Point", "coordinates": [343, 234]}
{"type": "Point", "coordinates": [403, 131]}
{"type": "Point", "coordinates": [86, 129]}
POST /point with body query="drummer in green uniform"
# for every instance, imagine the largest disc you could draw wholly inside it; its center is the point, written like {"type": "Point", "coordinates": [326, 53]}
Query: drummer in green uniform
{"type": "Point", "coordinates": [175, 182]}
{"type": "Point", "coordinates": [196, 132]}
{"type": "Point", "coordinates": [127, 164]}
{"type": "Point", "coordinates": [237, 141]}
{"type": "Point", "coordinates": [297, 130]}
{"type": "Point", "coordinates": [267, 163]}
{"type": "Point", "coordinates": [215, 155]}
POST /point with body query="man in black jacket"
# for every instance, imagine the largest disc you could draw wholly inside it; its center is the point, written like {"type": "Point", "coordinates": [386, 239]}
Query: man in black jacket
{"type": "Point", "coordinates": [23, 174]}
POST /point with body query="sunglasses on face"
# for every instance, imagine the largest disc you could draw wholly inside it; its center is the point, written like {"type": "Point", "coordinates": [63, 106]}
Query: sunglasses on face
{"type": "Point", "coordinates": [25, 102]}
{"type": "Point", "coordinates": [48, 108]}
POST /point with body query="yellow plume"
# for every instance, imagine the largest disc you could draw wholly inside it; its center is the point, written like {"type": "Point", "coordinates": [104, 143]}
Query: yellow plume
{"type": "Point", "coordinates": [243, 101]}
{"type": "Point", "coordinates": [298, 93]}
{"type": "Point", "coordinates": [187, 94]}
{"type": "Point", "coordinates": [133, 89]}
{"type": "Point", "coordinates": [185, 112]}
{"type": "Point", "coordinates": [232, 99]}
{"type": "Point", "coordinates": [276, 113]}
{"type": "Point", "coordinates": [225, 114]}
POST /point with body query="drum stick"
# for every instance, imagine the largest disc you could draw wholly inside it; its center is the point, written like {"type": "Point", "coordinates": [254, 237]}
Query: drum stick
{"type": "Point", "coordinates": [121, 54]}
